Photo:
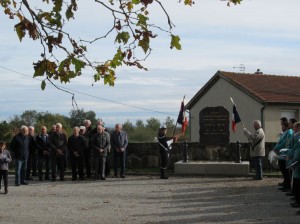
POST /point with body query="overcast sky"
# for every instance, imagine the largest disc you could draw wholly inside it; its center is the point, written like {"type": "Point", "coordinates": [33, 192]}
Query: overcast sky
{"type": "Point", "coordinates": [258, 34]}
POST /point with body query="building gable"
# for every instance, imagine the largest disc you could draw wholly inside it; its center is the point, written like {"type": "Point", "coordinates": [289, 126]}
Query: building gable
{"type": "Point", "coordinates": [271, 89]}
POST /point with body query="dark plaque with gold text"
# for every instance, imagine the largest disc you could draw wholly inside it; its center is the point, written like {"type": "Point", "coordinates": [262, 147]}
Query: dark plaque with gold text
{"type": "Point", "coordinates": [214, 126]}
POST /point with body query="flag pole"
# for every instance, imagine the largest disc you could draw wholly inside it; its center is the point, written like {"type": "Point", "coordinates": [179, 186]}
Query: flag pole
{"type": "Point", "coordinates": [177, 118]}
{"type": "Point", "coordinates": [235, 106]}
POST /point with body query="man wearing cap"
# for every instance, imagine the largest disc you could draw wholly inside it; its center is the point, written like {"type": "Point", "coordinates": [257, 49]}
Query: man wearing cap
{"type": "Point", "coordinates": [164, 150]}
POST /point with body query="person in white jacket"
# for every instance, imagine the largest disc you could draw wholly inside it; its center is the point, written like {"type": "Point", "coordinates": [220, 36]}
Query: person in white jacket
{"type": "Point", "coordinates": [257, 149]}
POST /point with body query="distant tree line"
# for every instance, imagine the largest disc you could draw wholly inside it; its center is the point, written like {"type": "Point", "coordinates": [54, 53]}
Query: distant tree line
{"type": "Point", "coordinates": [139, 132]}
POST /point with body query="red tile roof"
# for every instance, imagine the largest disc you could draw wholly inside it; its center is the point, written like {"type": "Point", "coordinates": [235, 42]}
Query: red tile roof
{"type": "Point", "coordinates": [263, 87]}
{"type": "Point", "coordinates": [268, 88]}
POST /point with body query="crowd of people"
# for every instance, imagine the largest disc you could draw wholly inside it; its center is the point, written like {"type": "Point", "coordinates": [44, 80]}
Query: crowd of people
{"type": "Point", "coordinates": [288, 151]}
{"type": "Point", "coordinates": [88, 149]}
{"type": "Point", "coordinates": [45, 154]}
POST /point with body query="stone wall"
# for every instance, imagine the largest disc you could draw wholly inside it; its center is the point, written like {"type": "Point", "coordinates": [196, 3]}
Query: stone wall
{"type": "Point", "coordinates": [146, 155]}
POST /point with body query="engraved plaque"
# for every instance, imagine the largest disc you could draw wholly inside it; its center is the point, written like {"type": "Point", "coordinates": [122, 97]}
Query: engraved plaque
{"type": "Point", "coordinates": [214, 126]}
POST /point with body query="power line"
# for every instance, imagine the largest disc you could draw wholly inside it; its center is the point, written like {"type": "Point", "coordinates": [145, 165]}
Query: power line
{"type": "Point", "coordinates": [72, 91]}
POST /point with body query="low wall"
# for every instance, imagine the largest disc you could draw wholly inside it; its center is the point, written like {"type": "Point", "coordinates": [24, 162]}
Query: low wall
{"type": "Point", "coordinates": [146, 155]}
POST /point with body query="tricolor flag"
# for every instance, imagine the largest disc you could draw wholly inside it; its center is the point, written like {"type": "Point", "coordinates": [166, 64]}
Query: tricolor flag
{"type": "Point", "coordinates": [181, 114]}
{"type": "Point", "coordinates": [235, 118]}
{"type": "Point", "coordinates": [182, 119]}
{"type": "Point", "coordinates": [184, 125]}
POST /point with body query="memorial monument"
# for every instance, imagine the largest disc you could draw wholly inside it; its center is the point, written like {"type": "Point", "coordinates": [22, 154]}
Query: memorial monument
{"type": "Point", "coordinates": [215, 138]}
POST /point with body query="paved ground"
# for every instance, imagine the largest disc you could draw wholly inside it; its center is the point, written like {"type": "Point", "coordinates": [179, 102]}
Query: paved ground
{"type": "Point", "coordinates": [147, 199]}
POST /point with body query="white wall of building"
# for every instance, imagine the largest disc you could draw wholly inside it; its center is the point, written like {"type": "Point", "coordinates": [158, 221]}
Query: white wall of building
{"type": "Point", "coordinates": [219, 95]}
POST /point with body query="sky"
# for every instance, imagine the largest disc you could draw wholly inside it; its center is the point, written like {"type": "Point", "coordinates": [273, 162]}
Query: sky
{"type": "Point", "coordinates": [257, 34]}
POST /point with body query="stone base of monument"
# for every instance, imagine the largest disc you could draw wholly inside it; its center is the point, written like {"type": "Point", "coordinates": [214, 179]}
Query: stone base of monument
{"type": "Point", "coordinates": [212, 168]}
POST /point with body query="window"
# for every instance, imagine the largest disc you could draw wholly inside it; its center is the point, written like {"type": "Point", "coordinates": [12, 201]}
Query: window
{"type": "Point", "coordinates": [288, 114]}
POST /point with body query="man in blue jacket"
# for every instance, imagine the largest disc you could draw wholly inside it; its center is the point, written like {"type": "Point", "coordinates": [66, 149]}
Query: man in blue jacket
{"type": "Point", "coordinates": [281, 148]}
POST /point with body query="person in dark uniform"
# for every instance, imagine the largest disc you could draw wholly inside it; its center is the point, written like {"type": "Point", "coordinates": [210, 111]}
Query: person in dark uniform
{"type": "Point", "coordinates": [58, 144]}
{"type": "Point", "coordinates": [87, 151]}
{"type": "Point", "coordinates": [43, 150]}
{"type": "Point", "coordinates": [164, 150]}
{"type": "Point", "coordinates": [76, 145]}
{"type": "Point", "coordinates": [101, 145]}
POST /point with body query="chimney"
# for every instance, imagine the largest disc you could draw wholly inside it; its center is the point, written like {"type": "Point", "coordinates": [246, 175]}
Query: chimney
{"type": "Point", "coordinates": [258, 72]}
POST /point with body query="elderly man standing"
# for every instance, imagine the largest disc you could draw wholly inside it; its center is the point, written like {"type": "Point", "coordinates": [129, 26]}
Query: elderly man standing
{"type": "Point", "coordinates": [101, 145]}
{"type": "Point", "coordinates": [76, 145]}
{"type": "Point", "coordinates": [257, 143]}
{"type": "Point", "coordinates": [42, 145]}
{"type": "Point", "coordinates": [58, 145]}
{"type": "Point", "coordinates": [31, 161]}
{"type": "Point", "coordinates": [20, 147]}
{"type": "Point", "coordinates": [87, 152]}
{"type": "Point", "coordinates": [119, 142]}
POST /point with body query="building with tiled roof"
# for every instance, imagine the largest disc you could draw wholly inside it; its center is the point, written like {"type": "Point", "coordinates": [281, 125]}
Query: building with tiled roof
{"type": "Point", "coordinates": [257, 96]}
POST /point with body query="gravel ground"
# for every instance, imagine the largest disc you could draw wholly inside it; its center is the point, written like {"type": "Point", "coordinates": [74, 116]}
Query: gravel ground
{"type": "Point", "coordinates": [147, 199]}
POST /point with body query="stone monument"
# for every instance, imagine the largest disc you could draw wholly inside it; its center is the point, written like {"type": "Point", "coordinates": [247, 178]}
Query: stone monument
{"type": "Point", "coordinates": [215, 136]}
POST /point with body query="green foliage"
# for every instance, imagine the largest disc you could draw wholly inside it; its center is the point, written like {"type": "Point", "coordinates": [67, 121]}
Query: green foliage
{"type": "Point", "coordinates": [77, 117]}
{"type": "Point", "coordinates": [64, 56]}
{"type": "Point", "coordinates": [139, 123]}
{"type": "Point", "coordinates": [128, 126]}
{"type": "Point", "coordinates": [175, 42]}
{"type": "Point", "coordinates": [43, 85]}
{"type": "Point", "coordinates": [235, 2]}
{"type": "Point", "coordinates": [142, 134]}
{"type": "Point", "coordinates": [153, 123]}
{"type": "Point", "coordinates": [5, 131]}
{"type": "Point", "coordinates": [122, 37]}
{"type": "Point", "coordinates": [48, 119]}
{"type": "Point", "coordinates": [29, 117]}
{"type": "Point", "coordinates": [137, 133]}
{"type": "Point", "coordinates": [69, 57]}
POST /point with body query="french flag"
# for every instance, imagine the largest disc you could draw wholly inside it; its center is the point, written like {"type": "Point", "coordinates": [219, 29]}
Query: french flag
{"type": "Point", "coordinates": [235, 118]}
{"type": "Point", "coordinates": [182, 119]}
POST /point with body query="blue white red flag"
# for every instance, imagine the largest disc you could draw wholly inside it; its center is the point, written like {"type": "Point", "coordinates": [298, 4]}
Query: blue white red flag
{"type": "Point", "coordinates": [181, 115]}
{"type": "Point", "coordinates": [182, 119]}
{"type": "Point", "coordinates": [235, 118]}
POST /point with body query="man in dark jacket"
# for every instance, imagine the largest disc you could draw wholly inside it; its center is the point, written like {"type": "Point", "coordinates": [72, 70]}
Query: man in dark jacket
{"type": "Point", "coordinates": [43, 151]}
{"type": "Point", "coordinates": [76, 145]}
{"type": "Point", "coordinates": [20, 148]}
{"type": "Point", "coordinates": [87, 151]}
{"type": "Point", "coordinates": [32, 158]}
{"type": "Point", "coordinates": [58, 145]}
{"type": "Point", "coordinates": [101, 145]}
{"type": "Point", "coordinates": [119, 142]}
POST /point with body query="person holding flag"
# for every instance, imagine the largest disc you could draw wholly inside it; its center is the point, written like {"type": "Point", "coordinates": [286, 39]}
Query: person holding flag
{"type": "Point", "coordinates": [257, 145]}
{"type": "Point", "coordinates": [164, 150]}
